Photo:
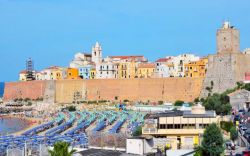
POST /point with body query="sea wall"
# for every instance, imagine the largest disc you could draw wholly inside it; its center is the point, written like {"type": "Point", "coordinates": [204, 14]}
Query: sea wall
{"type": "Point", "coordinates": [31, 89]}
{"type": "Point", "coordinates": [152, 89]}
{"type": "Point", "coordinates": [66, 91]}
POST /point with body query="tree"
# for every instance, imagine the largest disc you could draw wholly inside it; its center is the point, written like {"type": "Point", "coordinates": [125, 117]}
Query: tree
{"type": "Point", "coordinates": [233, 133]}
{"type": "Point", "coordinates": [178, 103]}
{"type": "Point", "coordinates": [138, 131]}
{"type": "Point", "coordinates": [196, 100]}
{"type": "Point", "coordinates": [212, 143]}
{"type": "Point", "coordinates": [61, 149]}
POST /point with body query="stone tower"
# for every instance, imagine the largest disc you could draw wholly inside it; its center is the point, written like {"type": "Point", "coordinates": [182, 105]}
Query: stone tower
{"type": "Point", "coordinates": [229, 65]}
{"type": "Point", "coordinates": [97, 53]}
{"type": "Point", "coordinates": [228, 39]}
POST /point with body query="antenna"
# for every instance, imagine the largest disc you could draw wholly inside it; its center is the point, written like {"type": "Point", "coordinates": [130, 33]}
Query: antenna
{"type": "Point", "coordinates": [30, 74]}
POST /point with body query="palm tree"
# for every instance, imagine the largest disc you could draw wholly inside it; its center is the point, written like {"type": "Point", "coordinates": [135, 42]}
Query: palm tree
{"type": "Point", "coordinates": [61, 149]}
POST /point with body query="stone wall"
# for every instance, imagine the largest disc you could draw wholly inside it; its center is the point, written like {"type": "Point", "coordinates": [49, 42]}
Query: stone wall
{"type": "Point", "coordinates": [66, 91]}
{"type": "Point", "coordinates": [31, 89]}
{"type": "Point", "coordinates": [225, 70]}
{"type": "Point", "coordinates": [166, 89]}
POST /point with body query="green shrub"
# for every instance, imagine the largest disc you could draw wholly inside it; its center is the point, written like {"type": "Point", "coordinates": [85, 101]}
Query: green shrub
{"type": "Point", "coordinates": [126, 100]}
{"type": "Point", "coordinates": [233, 133]}
{"type": "Point", "coordinates": [29, 103]}
{"type": "Point", "coordinates": [178, 103]}
{"type": "Point", "coordinates": [226, 125]}
{"type": "Point", "coordinates": [160, 102]}
{"type": "Point", "coordinates": [27, 99]}
{"type": "Point", "coordinates": [71, 108]}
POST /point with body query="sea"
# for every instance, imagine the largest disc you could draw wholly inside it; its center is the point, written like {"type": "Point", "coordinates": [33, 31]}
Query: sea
{"type": "Point", "coordinates": [10, 125]}
{"type": "Point", "coordinates": [1, 88]}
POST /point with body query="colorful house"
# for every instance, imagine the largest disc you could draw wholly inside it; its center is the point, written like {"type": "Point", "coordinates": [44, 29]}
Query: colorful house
{"type": "Point", "coordinates": [72, 73]}
{"type": "Point", "coordinates": [85, 71]}
{"type": "Point", "coordinates": [196, 68]}
{"type": "Point", "coordinates": [52, 73]}
{"type": "Point", "coordinates": [93, 73]}
{"type": "Point", "coordinates": [127, 69]}
{"type": "Point", "coordinates": [146, 70]}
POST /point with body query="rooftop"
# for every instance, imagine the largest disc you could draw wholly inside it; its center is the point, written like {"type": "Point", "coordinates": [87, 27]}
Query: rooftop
{"type": "Point", "coordinates": [185, 114]}
{"type": "Point", "coordinates": [163, 60]}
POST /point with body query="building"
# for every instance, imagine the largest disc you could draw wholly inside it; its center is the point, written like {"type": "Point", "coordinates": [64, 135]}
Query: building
{"type": "Point", "coordinates": [145, 70]}
{"type": "Point", "coordinates": [72, 73]}
{"type": "Point", "coordinates": [39, 76]}
{"type": "Point", "coordinates": [93, 73]}
{"type": "Point", "coordinates": [85, 71]}
{"type": "Point", "coordinates": [162, 68]}
{"type": "Point", "coordinates": [240, 99]}
{"type": "Point", "coordinates": [196, 68]}
{"type": "Point", "coordinates": [229, 65]}
{"type": "Point", "coordinates": [177, 64]}
{"type": "Point", "coordinates": [97, 53]}
{"type": "Point", "coordinates": [22, 75]}
{"type": "Point", "coordinates": [127, 70]}
{"type": "Point", "coordinates": [182, 129]}
{"type": "Point", "coordinates": [80, 59]}
{"type": "Point", "coordinates": [107, 70]}
{"type": "Point", "coordinates": [51, 73]}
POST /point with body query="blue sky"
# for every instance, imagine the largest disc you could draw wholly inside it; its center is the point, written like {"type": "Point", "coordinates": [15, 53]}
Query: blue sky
{"type": "Point", "coordinates": [52, 31]}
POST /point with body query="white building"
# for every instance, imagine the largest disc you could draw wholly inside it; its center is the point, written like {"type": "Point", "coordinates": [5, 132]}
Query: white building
{"type": "Point", "coordinates": [162, 68]}
{"type": "Point", "coordinates": [106, 70]}
{"type": "Point", "coordinates": [176, 65]}
{"type": "Point", "coordinates": [80, 60]}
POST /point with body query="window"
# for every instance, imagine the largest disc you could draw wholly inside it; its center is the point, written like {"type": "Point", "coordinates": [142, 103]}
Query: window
{"type": "Point", "coordinates": [177, 126]}
{"type": "Point", "coordinates": [162, 126]}
{"type": "Point", "coordinates": [170, 126]}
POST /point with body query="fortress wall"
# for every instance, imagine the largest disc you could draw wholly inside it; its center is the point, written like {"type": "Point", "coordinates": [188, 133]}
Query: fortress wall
{"type": "Point", "coordinates": [166, 89]}
{"type": "Point", "coordinates": [31, 89]}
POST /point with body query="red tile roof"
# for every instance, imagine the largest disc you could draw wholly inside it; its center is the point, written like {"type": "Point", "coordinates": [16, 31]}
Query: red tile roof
{"type": "Point", "coordinates": [53, 67]}
{"type": "Point", "coordinates": [23, 72]}
{"type": "Point", "coordinates": [128, 57]}
{"type": "Point", "coordinates": [163, 60]}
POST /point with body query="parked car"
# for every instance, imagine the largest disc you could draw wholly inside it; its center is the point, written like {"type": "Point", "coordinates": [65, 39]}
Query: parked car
{"type": "Point", "coordinates": [242, 130]}
{"type": "Point", "coordinates": [247, 133]}
{"type": "Point", "coordinates": [242, 111]}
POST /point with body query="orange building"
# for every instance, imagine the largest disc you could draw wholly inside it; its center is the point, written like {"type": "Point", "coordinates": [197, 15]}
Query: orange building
{"type": "Point", "coordinates": [72, 73]}
{"type": "Point", "coordinates": [196, 68]}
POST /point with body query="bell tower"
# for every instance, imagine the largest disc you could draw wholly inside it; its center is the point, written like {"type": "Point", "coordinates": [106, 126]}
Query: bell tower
{"type": "Point", "coordinates": [228, 39]}
{"type": "Point", "coordinates": [97, 53]}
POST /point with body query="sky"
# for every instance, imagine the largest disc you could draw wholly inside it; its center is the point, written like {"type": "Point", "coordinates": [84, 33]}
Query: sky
{"type": "Point", "coordinates": [52, 31]}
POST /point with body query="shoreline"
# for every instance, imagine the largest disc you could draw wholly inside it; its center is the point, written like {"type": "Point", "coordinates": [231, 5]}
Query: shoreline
{"type": "Point", "coordinates": [32, 122]}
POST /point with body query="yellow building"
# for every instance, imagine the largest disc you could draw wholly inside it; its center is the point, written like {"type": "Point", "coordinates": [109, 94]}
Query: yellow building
{"type": "Point", "coordinates": [126, 69]}
{"type": "Point", "coordinates": [182, 129]}
{"type": "Point", "coordinates": [196, 68]}
{"type": "Point", "coordinates": [145, 70]}
{"type": "Point", "coordinates": [22, 75]}
{"type": "Point", "coordinates": [93, 73]}
{"type": "Point", "coordinates": [72, 73]}
{"type": "Point", "coordinates": [52, 73]}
